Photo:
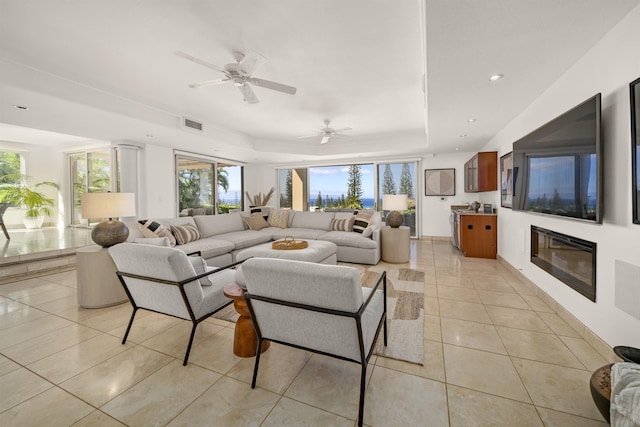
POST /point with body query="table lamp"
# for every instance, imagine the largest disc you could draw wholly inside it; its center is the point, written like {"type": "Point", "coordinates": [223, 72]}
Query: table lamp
{"type": "Point", "coordinates": [394, 203]}
{"type": "Point", "coordinates": [108, 205]}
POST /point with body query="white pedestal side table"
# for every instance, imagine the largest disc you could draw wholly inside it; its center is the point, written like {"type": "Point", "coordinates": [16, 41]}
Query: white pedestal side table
{"type": "Point", "coordinates": [98, 284]}
{"type": "Point", "coordinates": [395, 244]}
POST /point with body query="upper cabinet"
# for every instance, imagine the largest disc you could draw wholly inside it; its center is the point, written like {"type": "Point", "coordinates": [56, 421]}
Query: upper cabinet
{"type": "Point", "coordinates": [481, 172]}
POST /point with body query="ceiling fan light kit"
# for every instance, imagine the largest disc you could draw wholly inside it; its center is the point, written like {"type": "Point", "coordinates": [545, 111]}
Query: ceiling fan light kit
{"type": "Point", "coordinates": [240, 74]}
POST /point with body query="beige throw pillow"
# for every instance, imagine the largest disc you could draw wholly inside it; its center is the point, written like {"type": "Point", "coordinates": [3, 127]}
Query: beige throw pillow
{"type": "Point", "coordinates": [278, 218]}
{"type": "Point", "coordinates": [255, 221]}
{"type": "Point", "coordinates": [150, 228]}
{"type": "Point", "coordinates": [185, 233]}
{"type": "Point", "coordinates": [342, 224]}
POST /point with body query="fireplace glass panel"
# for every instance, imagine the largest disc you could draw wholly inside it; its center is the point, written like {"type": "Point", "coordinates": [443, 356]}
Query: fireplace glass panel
{"type": "Point", "coordinates": [568, 259]}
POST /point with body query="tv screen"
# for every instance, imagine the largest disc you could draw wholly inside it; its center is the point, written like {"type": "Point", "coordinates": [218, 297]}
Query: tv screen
{"type": "Point", "coordinates": [557, 169]}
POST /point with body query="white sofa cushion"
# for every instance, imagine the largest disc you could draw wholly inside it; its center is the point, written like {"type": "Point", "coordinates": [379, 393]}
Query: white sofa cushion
{"type": "Point", "coordinates": [298, 233]}
{"type": "Point", "coordinates": [211, 225]}
{"type": "Point", "coordinates": [348, 238]}
{"type": "Point", "coordinates": [245, 238]}
{"type": "Point", "coordinates": [315, 220]}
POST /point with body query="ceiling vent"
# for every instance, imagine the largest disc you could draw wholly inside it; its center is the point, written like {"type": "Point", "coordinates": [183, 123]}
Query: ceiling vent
{"type": "Point", "coordinates": [191, 125]}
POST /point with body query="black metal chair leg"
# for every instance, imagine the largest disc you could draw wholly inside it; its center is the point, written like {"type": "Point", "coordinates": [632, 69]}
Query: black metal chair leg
{"type": "Point", "coordinates": [255, 367]}
{"type": "Point", "coordinates": [193, 334]}
{"type": "Point", "coordinates": [6, 233]}
{"type": "Point", "coordinates": [361, 404]}
{"type": "Point", "coordinates": [126, 334]}
{"type": "Point", "coordinates": [385, 330]}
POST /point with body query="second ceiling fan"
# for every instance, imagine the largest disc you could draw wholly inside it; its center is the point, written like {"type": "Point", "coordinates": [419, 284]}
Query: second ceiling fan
{"type": "Point", "coordinates": [240, 74]}
{"type": "Point", "coordinates": [327, 133]}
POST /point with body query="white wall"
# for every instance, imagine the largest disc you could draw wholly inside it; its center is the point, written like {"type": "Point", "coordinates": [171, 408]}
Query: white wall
{"type": "Point", "coordinates": [607, 68]}
{"type": "Point", "coordinates": [157, 183]}
{"type": "Point", "coordinates": [435, 210]}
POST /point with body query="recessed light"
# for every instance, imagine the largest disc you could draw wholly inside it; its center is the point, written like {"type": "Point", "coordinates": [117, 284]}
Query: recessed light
{"type": "Point", "coordinates": [21, 107]}
{"type": "Point", "coordinates": [471, 120]}
{"type": "Point", "coordinates": [457, 148]}
{"type": "Point", "coordinates": [496, 77]}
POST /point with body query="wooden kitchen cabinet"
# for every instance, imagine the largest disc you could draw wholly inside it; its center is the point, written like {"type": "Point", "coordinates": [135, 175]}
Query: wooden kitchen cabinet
{"type": "Point", "coordinates": [479, 235]}
{"type": "Point", "coordinates": [481, 172]}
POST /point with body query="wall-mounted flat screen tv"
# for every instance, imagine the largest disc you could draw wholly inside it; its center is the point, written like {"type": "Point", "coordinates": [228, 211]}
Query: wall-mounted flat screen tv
{"type": "Point", "coordinates": [557, 169]}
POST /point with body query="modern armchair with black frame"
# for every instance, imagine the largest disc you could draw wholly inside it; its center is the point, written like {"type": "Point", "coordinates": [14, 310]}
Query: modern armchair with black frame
{"type": "Point", "coordinates": [165, 280]}
{"type": "Point", "coordinates": [315, 307]}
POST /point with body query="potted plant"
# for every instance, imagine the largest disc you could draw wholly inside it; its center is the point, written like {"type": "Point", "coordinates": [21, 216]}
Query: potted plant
{"type": "Point", "coordinates": [19, 193]}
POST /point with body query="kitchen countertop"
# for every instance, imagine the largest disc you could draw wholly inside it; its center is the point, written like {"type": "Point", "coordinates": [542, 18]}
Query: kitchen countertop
{"type": "Point", "coordinates": [469, 212]}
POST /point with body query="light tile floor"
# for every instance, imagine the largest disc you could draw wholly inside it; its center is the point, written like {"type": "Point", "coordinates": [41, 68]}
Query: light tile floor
{"type": "Point", "coordinates": [495, 355]}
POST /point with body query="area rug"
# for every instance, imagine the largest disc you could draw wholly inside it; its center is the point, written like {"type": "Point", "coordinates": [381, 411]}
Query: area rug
{"type": "Point", "coordinates": [405, 312]}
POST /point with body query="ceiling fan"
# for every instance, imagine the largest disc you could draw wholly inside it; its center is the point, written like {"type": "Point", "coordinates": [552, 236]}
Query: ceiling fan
{"type": "Point", "coordinates": [327, 133]}
{"type": "Point", "coordinates": [240, 74]}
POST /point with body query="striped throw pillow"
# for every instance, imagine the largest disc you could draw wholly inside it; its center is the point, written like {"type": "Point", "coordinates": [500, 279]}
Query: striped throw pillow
{"type": "Point", "coordinates": [185, 233]}
{"type": "Point", "coordinates": [150, 228]}
{"type": "Point", "coordinates": [342, 224]}
{"type": "Point", "coordinates": [362, 220]}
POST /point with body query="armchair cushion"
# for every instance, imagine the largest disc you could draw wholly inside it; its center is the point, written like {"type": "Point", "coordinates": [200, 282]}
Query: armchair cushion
{"type": "Point", "coordinates": [318, 285]}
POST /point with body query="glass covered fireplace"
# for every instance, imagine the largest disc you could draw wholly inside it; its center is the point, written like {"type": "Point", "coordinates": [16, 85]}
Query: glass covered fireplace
{"type": "Point", "coordinates": [568, 259]}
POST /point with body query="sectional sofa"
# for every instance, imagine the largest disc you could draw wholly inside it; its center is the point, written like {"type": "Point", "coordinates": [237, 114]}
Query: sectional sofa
{"type": "Point", "coordinates": [220, 237]}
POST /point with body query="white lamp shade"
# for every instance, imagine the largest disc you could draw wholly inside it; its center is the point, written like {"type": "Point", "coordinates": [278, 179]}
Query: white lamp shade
{"type": "Point", "coordinates": [108, 205]}
{"type": "Point", "coordinates": [395, 202]}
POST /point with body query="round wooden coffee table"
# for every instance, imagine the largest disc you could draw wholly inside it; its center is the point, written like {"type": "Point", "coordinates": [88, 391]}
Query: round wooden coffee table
{"type": "Point", "coordinates": [245, 339]}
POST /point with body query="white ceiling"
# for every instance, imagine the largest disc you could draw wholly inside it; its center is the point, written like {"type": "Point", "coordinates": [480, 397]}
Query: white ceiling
{"type": "Point", "coordinates": [106, 70]}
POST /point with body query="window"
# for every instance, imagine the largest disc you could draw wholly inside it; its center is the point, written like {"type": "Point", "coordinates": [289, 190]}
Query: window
{"type": "Point", "coordinates": [90, 173]}
{"type": "Point", "coordinates": [206, 187]}
{"type": "Point", "coordinates": [336, 187]}
{"type": "Point", "coordinates": [356, 186]}
{"type": "Point", "coordinates": [400, 178]}
{"type": "Point", "coordinates": [10, 167]}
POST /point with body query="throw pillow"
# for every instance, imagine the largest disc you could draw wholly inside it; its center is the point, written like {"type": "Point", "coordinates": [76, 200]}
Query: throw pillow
{"type": "Point", "coordinates": [185, 233]}
{"type": "Point", "coordinates": [361, 221]}
{"type": "Point", "coordinates": [255, 221]}
{"type": "Point", "coordinates": [342, 224]}
{"type": "Point", "coordinates": [278, 218]}
{"type": "Point", "coordinates": [150, 228]}
{"type": "Point", "coordinates": [200, 266]}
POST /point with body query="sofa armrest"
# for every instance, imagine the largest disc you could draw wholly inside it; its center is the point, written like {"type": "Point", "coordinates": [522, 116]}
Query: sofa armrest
{"type": "Point", "coordinates": [376, 235]}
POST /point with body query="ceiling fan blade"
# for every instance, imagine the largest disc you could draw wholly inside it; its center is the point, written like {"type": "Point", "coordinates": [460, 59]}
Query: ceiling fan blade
{"type": "Point", "coordinates": [313, 135]}
{"type": "Point", "coordinates": [325, 139]}
{"type": "Point", "coordinates": [341, 130]}
{"type": "Point", "coordinates": [209, 83]}
{"type": "Point", "coordinates": [199, 61]}
{"type": "Point", "coordinates": [248, 94]}
{"type": "Point", "coordinates": [251, 62]}
{"type": "Point", "coordinates": [273, 85]}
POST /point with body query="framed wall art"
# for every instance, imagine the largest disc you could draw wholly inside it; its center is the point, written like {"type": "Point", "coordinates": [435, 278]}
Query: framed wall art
{"type": "Point", "coordinates": [634, 89]}
{"type": "Point", "coordinates": [506, 180]}
{"type": "Point", "coordinates": [440, 182]}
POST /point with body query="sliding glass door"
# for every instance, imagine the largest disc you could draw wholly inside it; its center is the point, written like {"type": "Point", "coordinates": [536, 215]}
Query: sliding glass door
{"type": "Point", "coordinates": [400, 178]}
{"type": "Point", "coordinates": [207, 187]}
{"type": "Point", "coordinates": [90, 173]}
